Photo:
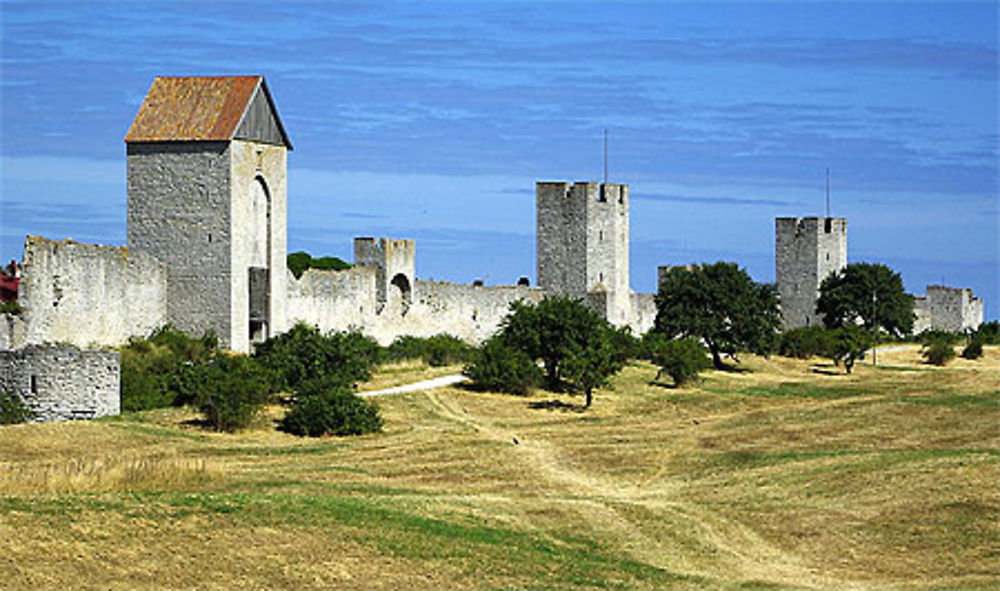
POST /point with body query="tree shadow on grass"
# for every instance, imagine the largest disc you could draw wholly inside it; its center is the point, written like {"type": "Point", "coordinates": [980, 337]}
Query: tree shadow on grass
{"type": "Point", "coordinates": [827, 369]}
{"type": "Point", "coordinates": [553, 404]}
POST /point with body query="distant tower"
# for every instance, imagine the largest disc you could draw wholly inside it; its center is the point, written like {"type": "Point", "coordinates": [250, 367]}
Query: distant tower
{"type": "Point", "coordinates": [583, 241]}
{"type": "Point", "coordinates": [207, 196]}
{"type": "Point", "coordinates": [806, 251]}
{"type": "Point", "coordinates": [395, 263]}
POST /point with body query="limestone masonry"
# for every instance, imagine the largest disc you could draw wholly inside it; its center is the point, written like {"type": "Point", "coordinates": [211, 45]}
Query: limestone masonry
{"type": "Point", "coordinates": [62, 382]}
{"type": "Point", "coordinates": [207, 247]}
{"type": "Point", "coordinates": [806, 251]}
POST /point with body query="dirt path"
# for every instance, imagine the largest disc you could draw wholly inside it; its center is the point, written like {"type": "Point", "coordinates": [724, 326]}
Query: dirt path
{"type": "Point", "coordinates": [599, 500]}
{"type": "Point", "coordinates": [419, 386]}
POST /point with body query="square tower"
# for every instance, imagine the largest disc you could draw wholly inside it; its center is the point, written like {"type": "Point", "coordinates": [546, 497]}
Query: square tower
{"type": "Point", "coordinates": [395, 263]}
{"type": "Point", "coordinates": [207, 196]}
{"type": "Point", "coordinates": [806, 251]}
{"type": "Point", "coordinates": [583, 244]}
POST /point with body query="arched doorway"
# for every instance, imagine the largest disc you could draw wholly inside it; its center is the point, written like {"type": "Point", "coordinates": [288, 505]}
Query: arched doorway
{"type": "Point", "coordinates": [259, 250]}
{"type": "Point", "coordinates": [403, 293]}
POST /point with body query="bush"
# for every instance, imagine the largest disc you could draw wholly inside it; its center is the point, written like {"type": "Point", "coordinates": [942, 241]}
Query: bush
{"type": "Point", "coordinates": [298, 262]}
{"type": "Point", "coordinates": [498, 367]}
{"type": "Point", "coordinates": [974, 350]}
{"type": "Point", "coordinates": [438, 350]}
{"type": "Point", "coordinates": [328, 407]}
{"type": "Point", "coordinates": [934, 335]}
{"type": "Point", "coordinates": [12, 308]}
{"type": "Point", "coordinates": [151, 367]}
{"type": "Point", "coordinates": [303, 354]}
{"type": "Point", "coordinates": [938, 352]}
{"type": "Point", "coordinates": [682, 359]}
{"type": "Point", "coordinates": [231, 391]}
{"type": "Point", "coordinates": [988, 333]}
{"type": "Point", "coordinates": [805, 342]}
{"type": "Point", "coordinates": [13, 410]}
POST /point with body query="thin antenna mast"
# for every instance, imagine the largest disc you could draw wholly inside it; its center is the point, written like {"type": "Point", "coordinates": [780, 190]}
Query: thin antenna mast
{"type": "Point", "coordinates": [828, 191]}
{"type": "Point", "coordinates": [605, 155]}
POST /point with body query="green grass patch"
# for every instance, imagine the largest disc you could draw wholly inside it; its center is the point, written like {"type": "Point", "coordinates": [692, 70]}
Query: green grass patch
{"type": "Point", "coordinates": [800, 390]}
{"type": "Point", "coordinates": [987, 400]}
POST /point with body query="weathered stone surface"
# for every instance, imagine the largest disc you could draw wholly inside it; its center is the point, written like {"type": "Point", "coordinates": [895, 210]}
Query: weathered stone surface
{"type": "Point", "coordinates": [62, 382]}
{"type": "Point", "coordinates": [806, 251]}
{"type": "Point", "coordinates": [954, 309]}
{"type": "Point", "coordinates": [87, 294]}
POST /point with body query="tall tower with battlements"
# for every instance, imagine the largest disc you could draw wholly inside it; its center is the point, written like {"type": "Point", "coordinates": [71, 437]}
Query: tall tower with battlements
{"type": "Point", "coordinates": [583, 244]}
{"type": "Point", "coordinates": [806, 251]}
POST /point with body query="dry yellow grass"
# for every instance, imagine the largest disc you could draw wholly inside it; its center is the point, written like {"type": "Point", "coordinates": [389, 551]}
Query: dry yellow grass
{"type": "Point", "coordinates": [785, 476]}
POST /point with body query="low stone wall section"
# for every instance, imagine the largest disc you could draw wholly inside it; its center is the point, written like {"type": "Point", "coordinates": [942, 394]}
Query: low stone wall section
{"type": "Point", "coordinates": [88, 294]}
{"type": "Point", "coordinates": [347, 300]}
{"type": "Point", "coordinates": [62, 382]}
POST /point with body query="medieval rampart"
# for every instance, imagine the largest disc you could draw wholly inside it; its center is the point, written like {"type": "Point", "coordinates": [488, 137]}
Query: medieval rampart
{"type": "Point", "coordinates": [954, 309]}
{"type": "Point", "coordinates": [61, 382]}
{"type": "Point", "coordinates": [346, 300]}
{"type": "Point", "coordinates": [87, 294]}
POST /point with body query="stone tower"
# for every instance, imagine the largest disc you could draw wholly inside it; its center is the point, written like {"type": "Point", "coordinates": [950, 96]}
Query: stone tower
{"type": "Point", "coordinates": [583, 241]}
{"type": "Point", "coordinates": [395, 263]}
{"type": "Point", "coordinates": [207, 197]}
{"type": "Point", "coordinates": [806, 251]}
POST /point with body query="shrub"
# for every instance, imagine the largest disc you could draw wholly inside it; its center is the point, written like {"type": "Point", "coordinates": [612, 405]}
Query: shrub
{"type": "Point", "coordinates": [152, 368]}
{"type": "Point", "coordinates": [328, 407]}
{"type": "Point", "coordinates": [934, 335]}
{"type": "Point", "coordinates": [938, 352]}
{"type": "Point", "coordinates": [13, 410]}
{"type": "Point", "coordinates": [298, 262]}
{"type": "Point", "coordinates": [974, 350]}
{"type": "Point", "coordinates": [988, 333]}
{"type": "Point", "coordinates": [681, 359]}
{"type": "Point", "coordinates": [805, 342]}
{"type": "Point", "coordinates": [438, 350]}
{"type": "Point", "coordinates": [231, 391]}
{"type": "Point", "coordinates": [498, 367]}
{"type": "Point", "coordinates": [303, 354]}
{"type": "Point", "coordinates": [12, 308]}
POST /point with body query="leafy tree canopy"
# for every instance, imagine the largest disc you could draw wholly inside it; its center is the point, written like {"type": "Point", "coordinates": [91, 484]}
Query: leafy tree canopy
{"type": "Point", "coordinates": [298, 262]}
{"type": "Point", "coordinates": [868, 292]}
{"type": "Point", "coordinates": [721, 305]}
{"type": "Point", "coordinates": [579, 349]}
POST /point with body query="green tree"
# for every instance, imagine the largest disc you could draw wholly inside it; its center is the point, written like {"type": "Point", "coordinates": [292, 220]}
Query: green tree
{"type": "Point", "coordinates": [593, 360]}
{"type": "Point", "coordinates": [498, 367]}
{"type": "Point", "coordinates": [720, 305]}
{"type": "Point", "coordinates": [867, 292]}
{"type": "Point", "coordinates": [303, 353]}
{"type": "Point", "coordinates": [578, 349]}
{"type": "Point", "coordinates": [847, 344]}
{"type": "Point", "coordinates": [681, 359]}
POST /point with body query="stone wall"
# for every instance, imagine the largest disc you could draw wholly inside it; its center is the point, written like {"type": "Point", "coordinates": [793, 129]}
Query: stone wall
{"type": "Point", "coordinates": [953, 309]}
{"type": "Point", "coordinates": [87, 294]}
{"type": "Point", "coordinates": [643, 313]}
{"type": "Point", "coordinates": [806, 251]}
{"type": "Point", "coordinates": [60, 382]}
{"type": "Point", "coordinates": [346, 300]}
{"type": "Point", "coordinates": [179, 211]}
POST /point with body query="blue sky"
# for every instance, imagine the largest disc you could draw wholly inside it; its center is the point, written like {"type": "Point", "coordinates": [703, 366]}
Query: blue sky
{"type": "Point", "coordinates": [433, 122]}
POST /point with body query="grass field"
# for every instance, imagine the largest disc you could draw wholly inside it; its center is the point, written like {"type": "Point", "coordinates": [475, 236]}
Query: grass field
{"type": "Point", "coordinates": [780, 477]}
